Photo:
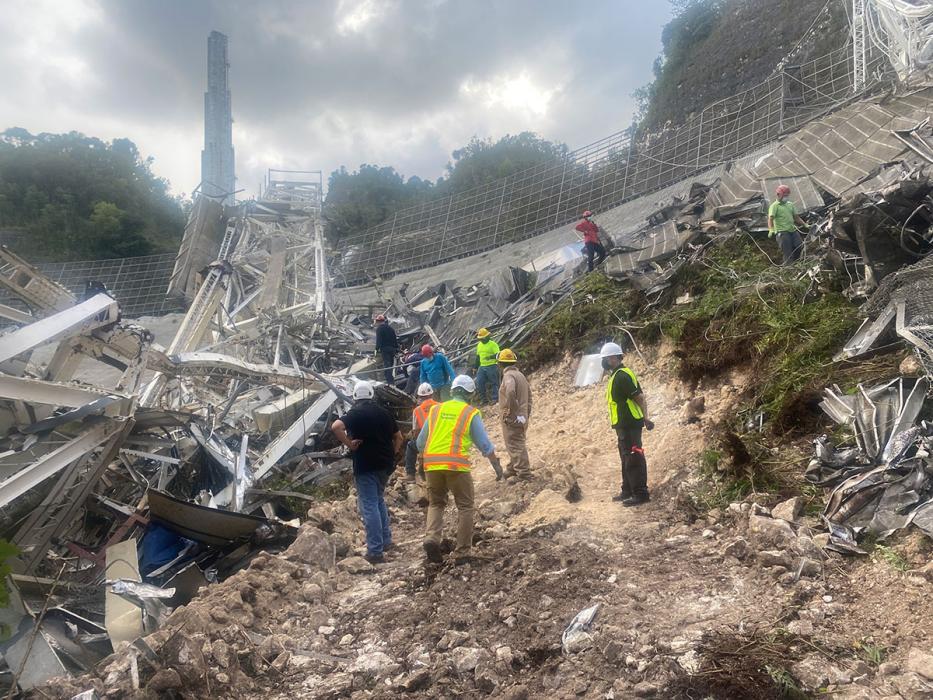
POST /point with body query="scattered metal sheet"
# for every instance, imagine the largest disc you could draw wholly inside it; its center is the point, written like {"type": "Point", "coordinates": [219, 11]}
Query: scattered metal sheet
{"type": "Point", "coordinates": [27, 652]}
{"type": "Point", "coordinates": [123, 619]}
{"type": "Point", "coordinates": [589, 370]}
{"type": "Point", "coordinates": [200, 523]}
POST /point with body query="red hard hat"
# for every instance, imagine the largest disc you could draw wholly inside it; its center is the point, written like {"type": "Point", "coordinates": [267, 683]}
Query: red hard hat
{"type": "Point", "coordinates": [427, 350]}
{"type": "Point", "coordinates": [380, 318]}
{"type": "Point", "coordinates": [587, 213]}
{"type": "Point", "coordinates": [782, 189]}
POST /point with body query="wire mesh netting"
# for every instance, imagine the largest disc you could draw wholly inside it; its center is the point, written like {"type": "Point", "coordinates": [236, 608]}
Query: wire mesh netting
{"type": "Point", "coordinates": [139, 284]}
{"type": "Point", "coordinates": [600, 175]}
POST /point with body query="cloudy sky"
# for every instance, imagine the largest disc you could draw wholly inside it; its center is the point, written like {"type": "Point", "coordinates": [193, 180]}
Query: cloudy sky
{"type": "Point", "coordinates": [321, 83]}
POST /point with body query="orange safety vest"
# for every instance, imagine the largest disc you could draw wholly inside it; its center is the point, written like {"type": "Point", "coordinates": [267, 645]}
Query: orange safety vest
{"type": "Point", "coordinates": [420, 414]}
{"type": "Point", "coordinates": [448, 444]}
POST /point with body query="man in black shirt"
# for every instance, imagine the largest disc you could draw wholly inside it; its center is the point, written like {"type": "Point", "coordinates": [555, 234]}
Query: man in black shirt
{"type": "Point", "coordinates": [373, 437]}
{"type": "Point", "coordinates": [387, 347]}
{"type": "Point", "coordinates": [628, 414]}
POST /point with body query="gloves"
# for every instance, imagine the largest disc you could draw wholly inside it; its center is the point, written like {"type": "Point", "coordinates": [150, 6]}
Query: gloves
{"type": "Point", "coordinates": [521, 420]}
{"type": "Point", "coordinates": [496, 466]}
{"type": "Point", "coordinates": [649, 424]}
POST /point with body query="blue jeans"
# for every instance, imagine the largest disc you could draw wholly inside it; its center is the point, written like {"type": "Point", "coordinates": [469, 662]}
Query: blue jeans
{"type": "Point", "coordinates": [791, 246]}
{"type": "Point", "coordinates": [487, 377]}
{"type": "Point", "coordinates": [370, 490]}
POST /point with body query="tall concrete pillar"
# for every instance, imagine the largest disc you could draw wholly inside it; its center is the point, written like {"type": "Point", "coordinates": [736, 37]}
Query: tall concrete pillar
{"type": "Point", "coordinates": [217, 163]}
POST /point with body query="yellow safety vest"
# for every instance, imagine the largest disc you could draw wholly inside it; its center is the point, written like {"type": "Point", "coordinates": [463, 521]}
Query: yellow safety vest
{"type": "Point", "coordinates": [633, 408]}
{"type": "Point", "coordinates": [448, 444]}
{"type": "Point", "coordinates": [487, 353]}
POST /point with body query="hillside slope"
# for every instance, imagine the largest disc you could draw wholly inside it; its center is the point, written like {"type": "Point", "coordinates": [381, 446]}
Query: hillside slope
{"type": "Point", "coordinates": [716, 48]}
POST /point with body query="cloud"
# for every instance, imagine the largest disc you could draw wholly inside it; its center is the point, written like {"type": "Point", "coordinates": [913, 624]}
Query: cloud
{"type": "Point", "coordinates": [321, 84]}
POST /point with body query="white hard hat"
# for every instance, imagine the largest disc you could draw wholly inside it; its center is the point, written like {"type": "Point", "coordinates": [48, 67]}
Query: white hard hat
{"type": "Point", "coordinates": [425, 389]}
{"type": "Point", "coordinates": [363, 390]}
{"type": "Point", "coordinates": [610, 350]}
{"type": "Point", "coordinates": [462, 381]}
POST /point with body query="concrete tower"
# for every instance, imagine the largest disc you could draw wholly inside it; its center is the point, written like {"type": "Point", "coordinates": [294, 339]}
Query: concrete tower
{"type": "Point", "coordinates": [217, 163]}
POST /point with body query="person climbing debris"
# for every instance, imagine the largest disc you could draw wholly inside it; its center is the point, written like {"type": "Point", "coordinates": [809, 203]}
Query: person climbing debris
{"type": "Point", "coordinates": [487, 371]}
{"type": "Point", "coordinates": [515, 412]}
{"type": "Point", "coordinates": [386, 347]}
{"type": "Point", "coordinates": [436, 370]}
{"type": "Point", "coordinates": [591, 244]}
{"type": "Point", "coordinates": [451, 429]}
{"type": "Point", "coordinates": [783, 221]}
{"type": "Point", "coordinates": [373, 437]}
{"type": "Point", "coordinates": [628, 414]}
{"type": "Point", "coordinates": [412, 369]}
{"type": "Point", "coordinates": [418, 417]}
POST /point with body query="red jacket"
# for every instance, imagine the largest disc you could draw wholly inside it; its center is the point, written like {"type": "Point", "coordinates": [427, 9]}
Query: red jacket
{"type": "Point", "coordinates": [589, 230]}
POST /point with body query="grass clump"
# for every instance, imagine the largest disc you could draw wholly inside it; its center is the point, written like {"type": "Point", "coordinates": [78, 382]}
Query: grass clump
{"type": "Point", "coordinates": [596, 311]}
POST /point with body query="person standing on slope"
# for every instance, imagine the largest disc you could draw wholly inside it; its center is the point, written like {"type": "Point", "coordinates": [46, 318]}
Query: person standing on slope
{"type": "Point", "coordinates": [418, 417]}
{"type": "Point", "coordinates": [783, 221]}
{"type": "Point", "coordinates": [487, 373]}
{"type": "Point", "coordinates": [445, 440]}
{"type": "Point", "coordinates": [628, 414]}
{"type": "Point", "coordinates": [387, 347]}
{"type": "Point", "coordinates": [436, 370]}
{"type": "Point", "coordinates": [591, 245]}
{"type": "Point", "coordinates": [373, 437]}
{"type": "Point", "coordinates": [515, 412]}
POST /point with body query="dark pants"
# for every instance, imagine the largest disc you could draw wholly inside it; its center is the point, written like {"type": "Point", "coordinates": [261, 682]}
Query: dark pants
{"type": "Point", "coordinates": [593, 249]}
{"type": "Point", "coordinates": [791, 246]}
{"type": "Point", "coordinates": [388, 361]}
{"type": "Point", "coordinates": [411, 459]}
{"type": "Point", "coordinates": [634, 467]}
{"type": "Point", "coordinates": [370, 498]}
{"type": "Point", "coordinates": [487, 378]}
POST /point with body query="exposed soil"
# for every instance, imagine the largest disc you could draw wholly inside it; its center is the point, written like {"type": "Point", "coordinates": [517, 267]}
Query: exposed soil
{"type": "Point", "coordinates": [687, 609]}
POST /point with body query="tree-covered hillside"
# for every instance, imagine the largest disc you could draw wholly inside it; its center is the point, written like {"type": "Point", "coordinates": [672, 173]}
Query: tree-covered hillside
{"type": "Point", "coordinates": [71, 197]}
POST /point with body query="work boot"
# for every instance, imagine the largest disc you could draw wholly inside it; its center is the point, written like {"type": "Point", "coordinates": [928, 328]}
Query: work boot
{"type": "Point", "coordinates": [374, 558]}
{"type": "Point", "coordinates": [635, 501]}
{"type": "Point", "coordinates": [621, 497]}
{"type": "Point", "coordinates": [508, 473]}
{"type": "Point", "coordinates": [432, 550]}
{"type": "Point", "coordinates": [411, 492]}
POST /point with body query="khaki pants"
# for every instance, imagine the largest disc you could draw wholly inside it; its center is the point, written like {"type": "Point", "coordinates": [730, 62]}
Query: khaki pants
{"type": "Point", "coordinates": [460, 484]}
{"type": "Point", "coordinates": [515, 445]}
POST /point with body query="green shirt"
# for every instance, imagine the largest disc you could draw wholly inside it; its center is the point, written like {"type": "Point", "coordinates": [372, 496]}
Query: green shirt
{"type": "Point", "coordinates": [783, 214]}
{"type": "Point", "coordinates": [486, 351]}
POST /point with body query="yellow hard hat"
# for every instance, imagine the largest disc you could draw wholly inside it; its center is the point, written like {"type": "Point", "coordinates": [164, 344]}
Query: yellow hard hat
{"type": "Point", "coordinates": [482, 333]}
{"type": "Point", "coordinates": [507, 356]}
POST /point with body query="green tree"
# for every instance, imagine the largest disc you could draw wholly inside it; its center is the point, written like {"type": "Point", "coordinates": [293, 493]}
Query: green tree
{"type": "Point", "coordinates": [75, 196]}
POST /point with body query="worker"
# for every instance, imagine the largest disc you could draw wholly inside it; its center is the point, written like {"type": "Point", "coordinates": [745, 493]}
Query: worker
{"type": "Point", "coordinates": [373, 437]}
{"type": "Point", "coordinates": [451, 429]}
{"type": "Point", "coordinates": [783, 221]}
{"type": "Point", "coordinates": [487, 372]}
{"type": "Point", "coordinates": [591, 245]}
{"type": "Point", "coordinates": [412, 368]}
{"type": "Point", "coordinates": [514, 412]}
{"type": "Point", "coordinates": [387, 347]}
{"type": "Point", "coordinates": [418, 417]}
{"type": "Point", "coordinates": [628, 414]}
{"type": "Point", "coordinates": [435, 369]}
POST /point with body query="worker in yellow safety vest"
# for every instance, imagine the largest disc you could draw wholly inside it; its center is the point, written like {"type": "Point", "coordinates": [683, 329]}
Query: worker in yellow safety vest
{"type": "Point", "coordinates": [628, 414]}
{"type": "Point", "coordinates": [487, 371]}
{"type": "Point", "coordinates": [445, 440]}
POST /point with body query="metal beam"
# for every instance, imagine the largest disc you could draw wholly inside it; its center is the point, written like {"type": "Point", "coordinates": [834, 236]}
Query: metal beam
{"type": "Point", "coordinates": [100, 310]}
{"type": "Point", "coordinates": [53, 462]}
{"type": "Point", "coordinates": [297, 432]}
{"type": "Point", "coordinates": [50, 393]}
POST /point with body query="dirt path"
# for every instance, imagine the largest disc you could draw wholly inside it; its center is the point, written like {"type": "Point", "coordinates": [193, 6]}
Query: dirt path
{"type": "Point", "coordinates": [672, 596]}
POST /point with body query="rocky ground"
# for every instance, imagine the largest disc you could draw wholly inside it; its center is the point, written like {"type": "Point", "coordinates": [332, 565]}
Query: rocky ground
{"type": "Point", "coordinates": [741, 602]}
